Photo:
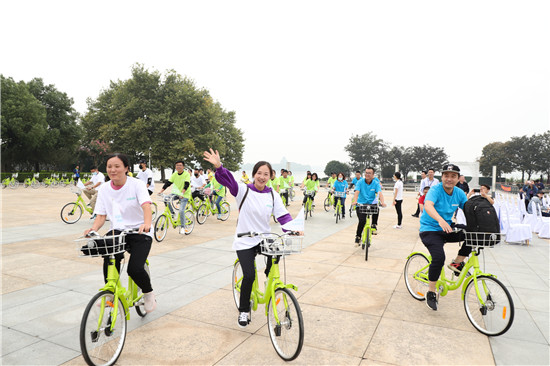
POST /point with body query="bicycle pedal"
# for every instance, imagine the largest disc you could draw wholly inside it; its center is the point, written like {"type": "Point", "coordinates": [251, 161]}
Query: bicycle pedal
{"type": "Point", "coordinates": [278, 330]}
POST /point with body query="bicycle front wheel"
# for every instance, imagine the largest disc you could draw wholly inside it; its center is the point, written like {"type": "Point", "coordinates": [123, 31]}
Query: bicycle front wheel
{"type": "Point", "coordinates": [161, 228]}
{"type": "Point", "coordinates": [71, 213]}
{"type": "Point", "coordinates": [101, 343]}
{"type": "Point", "coordinates": [202, 214]}
{"type": "Point", "coordinates": [35, 184]}
{"type": "Point", "coordinates": [286, 333]}
{"type": "Point", "coordinates": [416, 275]}
{"type": "Point", "coordinates": [154, 210]}
{"type": "Point", "coordinates": [368, 239]}
{"type": "Point", "coordinates": [495, 316]}
{"type": "Point", "coordinates": [14, 184]}
{"type": "Point", "coordinates": [326, 204]}
{"type": "Point", "coordinates": [226, 210]}
{"type": "Point", "coordinates": [236, 282]}
{"type": "Point", "coordinates": [189, 222]}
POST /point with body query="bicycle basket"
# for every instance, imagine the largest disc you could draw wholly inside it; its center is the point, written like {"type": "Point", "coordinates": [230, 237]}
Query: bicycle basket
{"type": "Point", "coordinates": [281, 245]}
{"type": "Point", "coordinates": [479, 239]}
{"type": "Point", "coordinates": [309, 193]}
{"type": "Point", "coordinates": [367, 209]}
{"type": "Point", "coordinates": [106, 245]}
{"type": "Point", "coordinates": [339, 194]}
{"type": "Point", "coordinates": [76, 190]}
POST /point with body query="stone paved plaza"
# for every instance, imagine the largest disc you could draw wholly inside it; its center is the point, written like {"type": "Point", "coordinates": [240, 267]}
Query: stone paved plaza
{"type": "Point", "coordinates": [355, 312]}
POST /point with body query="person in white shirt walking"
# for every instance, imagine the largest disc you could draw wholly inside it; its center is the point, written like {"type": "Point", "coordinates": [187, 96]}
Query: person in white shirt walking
{"type": "Point", "coordinates": [146, 175]}
{"type": "Point", "coordinates": [398, 198]}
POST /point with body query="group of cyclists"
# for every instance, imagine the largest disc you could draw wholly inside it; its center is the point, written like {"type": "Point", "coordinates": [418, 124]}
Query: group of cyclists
{"type": "Point", "coordinates": [125, 201]}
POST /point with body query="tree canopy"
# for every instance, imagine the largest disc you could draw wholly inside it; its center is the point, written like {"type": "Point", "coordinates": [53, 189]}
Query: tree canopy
{"type": "Point", "coordinates": [335, 166]}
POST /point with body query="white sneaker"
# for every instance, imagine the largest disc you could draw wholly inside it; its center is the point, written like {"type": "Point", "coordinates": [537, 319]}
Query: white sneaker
{"type": "Point", "coordinates": [182, 230]}
{"type": "Point", "coordinates": [244, 319]}
{"type": "Point", "coordinates": [150, 302]}
{"type": "Point", "coordinates": [397, 226]}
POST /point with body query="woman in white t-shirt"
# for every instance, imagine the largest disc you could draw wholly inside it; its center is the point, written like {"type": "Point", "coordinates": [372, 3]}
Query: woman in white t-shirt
{"type": "Point", "coordinates": [125, 201]}
{"type": "Point", "coordinates": [398, 198]}
{"type": "Point", "coordinates": [256, 204]}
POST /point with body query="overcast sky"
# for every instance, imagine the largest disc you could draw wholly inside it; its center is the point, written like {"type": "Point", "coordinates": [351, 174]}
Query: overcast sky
{"type": "Point", "coordinates": [303, 76]}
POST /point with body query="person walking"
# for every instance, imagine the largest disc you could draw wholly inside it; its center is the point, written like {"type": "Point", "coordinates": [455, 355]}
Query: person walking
{"type": "Point", "coordinates": [398, 198]}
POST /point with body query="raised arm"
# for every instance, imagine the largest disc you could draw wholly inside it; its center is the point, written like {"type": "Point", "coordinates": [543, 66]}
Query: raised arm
{"type": "Point", "coordinates": [223, 176]}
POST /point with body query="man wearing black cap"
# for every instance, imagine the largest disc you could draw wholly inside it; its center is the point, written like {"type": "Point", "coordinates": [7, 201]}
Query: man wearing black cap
{"type": "Point", "coordinates": [441, 202]}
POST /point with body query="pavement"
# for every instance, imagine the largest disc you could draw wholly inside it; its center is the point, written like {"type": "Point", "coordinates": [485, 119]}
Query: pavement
{"type": "Point", "coordinates": [356, 312]}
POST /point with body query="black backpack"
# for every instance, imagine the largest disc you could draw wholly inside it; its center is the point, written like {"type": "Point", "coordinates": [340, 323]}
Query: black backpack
{"type": "Point", "coordinates": [481, 216]}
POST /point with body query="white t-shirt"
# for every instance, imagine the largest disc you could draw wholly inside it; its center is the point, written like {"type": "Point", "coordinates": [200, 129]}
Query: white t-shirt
{"type": "Point", "coordinates": [197, 182]}
{"type": "Point", "coordinates": [144, 176]}
{"type": "Point", "coordinates": [255, 215]}
{"type": "Point", "coordinates": [123, 206]}
{"type": "Point", "coordinates": [399, 186]}
{"type": "Point", "coordinates": [426, 182]}
{"type": "Point", "coordinates": [98, 178]}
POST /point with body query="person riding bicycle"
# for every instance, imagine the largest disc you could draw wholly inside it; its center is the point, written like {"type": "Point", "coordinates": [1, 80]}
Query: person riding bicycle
{"type": "Point", "coordinates": [181, 180]}
{"type": "Point", "coordinates": [355, 179]}
{"type": "Point", "coordinates": [441, 201]}
{"type": "Point", "coordinates": [92, 187]}
{"type": "Point", "coordinates": [197, 183]}
{"type": "Point", "coordinates": [257, 203]}
{"type": "Point", "coordinates": [244, 178]}
{"type": "Point", "coordinates": [218, 193]}
{"type": "Point", "coordinates": [311, 184]}
{"type": "Point", "coordinates": [366, 190]}
{"type": "Point", "coordinates": [331, 180]}
{"type": "Point", "coordinates": [126, 203]}
{"type": "Point", "coordinates": [284, 185]}
{"type": "Point", "coordinates": [146, 175]}
{"type": "Point", "coordinates": [341, 185]}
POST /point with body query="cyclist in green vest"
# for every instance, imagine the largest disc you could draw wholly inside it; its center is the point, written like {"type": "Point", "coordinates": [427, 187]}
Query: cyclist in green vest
{"type": "Point", "coordinates": [181, 180]}
{"type": "Point", "coordinates": [283, 185]}
{"type": "Point", "coordinates": [331, 180]}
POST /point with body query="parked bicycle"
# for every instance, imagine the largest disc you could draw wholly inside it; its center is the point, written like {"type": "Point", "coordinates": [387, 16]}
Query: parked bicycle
{"type": "Point", "coordinates": [284, 318]}
{"type": "Point", "coordinates": [103, 327]}
{"type": "Point", "coordinates": [487, 302]}
{"type": "Point", "coordinates": [12, 182]}
{"type": "Point", "coordinates": [34, 182]}
{"type": "Point", "coordinates": [167, 219]}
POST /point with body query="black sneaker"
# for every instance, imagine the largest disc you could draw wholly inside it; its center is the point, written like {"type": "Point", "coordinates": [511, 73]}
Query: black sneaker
{"type": "Point", "coordinates": [414, 215]}
{"type": "Point", "coordinates": [244, 319]}
{"type": "Point", "coordinates": [456, 267]}
{"type": "Point", "coordinates": [431, 300]}
{"type": "Point", "coordinates": [357, 240]}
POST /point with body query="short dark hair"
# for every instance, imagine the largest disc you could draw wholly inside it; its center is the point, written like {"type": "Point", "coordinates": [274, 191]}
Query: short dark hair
{"type": "Point", "coordinates": [371, 168]}
{"type": "Point", "coordinates": [486, 186]}
{"type": "Point", "coordinates": [358, 171]}
{"type": "Point", "coordinates": [432, 169]}
{"type": "Point", "coordinates": [260, 164]}
{"type": "Point", "coordinates": [94, 167]}
{"type": "Point", "coordinates": [179, 161]}
{"type": "Point", "coordinates": [120, 156]}
{"type": "Point", "coordinates": [425, 171]}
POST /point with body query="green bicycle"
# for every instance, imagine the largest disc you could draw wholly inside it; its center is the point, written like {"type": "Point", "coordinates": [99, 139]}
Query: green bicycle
{"type": "Point", "coordinates": [34, 182]}
{"type": "Point", "coordinates": [103, 327]}
{"type": "Point", "coordinates": [72, 211]}
{"type": "Point", "coordinates": [166, 219]}
{"type": "Point", "coordinates": [284, 318]}
{"type": "Point", "coordinates": [208, 208]}
{"type": "Point", "coordinates": [308, 205]}
{"type": "Point", "coordinates": [368, 230]}
{"type": "Point", "coordinates": [329, 201]}
{"type": "Point", "coordinates": [487, 302]}
{"type": "Point", "coordinates": [339, 208]}
{"type": "Point", "coordinates": [12, 182]}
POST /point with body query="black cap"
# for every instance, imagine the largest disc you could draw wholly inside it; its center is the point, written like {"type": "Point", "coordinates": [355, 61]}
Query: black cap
{"type": "Point", "coordinates": [450, 168]}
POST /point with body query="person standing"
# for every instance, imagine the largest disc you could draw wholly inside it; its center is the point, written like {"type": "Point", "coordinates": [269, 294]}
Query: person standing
{"type": "Point", "coordinates": [181, 180]}
{"type": "Point", "coordinates": [92, 187]}
{"type": "Point", "coordinates": [257, 203]}
{"type": "Point", "coordinates": [146, 176]}
{"type": "Point", "coordinates": [398, 198]}
{"type": "Point", "coordinates": [423, 175]}
{"type": "Point", "coordinates": [76, 172]}
{"type": "Point", "coordinates": [462, 184]}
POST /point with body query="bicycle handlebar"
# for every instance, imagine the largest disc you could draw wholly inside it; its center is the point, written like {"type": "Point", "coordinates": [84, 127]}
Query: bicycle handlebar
{"type": "Point", "coordinates": [252, 234]}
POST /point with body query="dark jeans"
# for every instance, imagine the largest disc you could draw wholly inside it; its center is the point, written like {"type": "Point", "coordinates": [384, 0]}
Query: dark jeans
{"type": "Point", "coordinates": [312, 198]}
{"type": "Point", "coordinates": [285, 195]}
{"type": "Point", "coordinates": [196, 194]}
{"type": "Point", "coordinates": [139, 247]}
{"type": "Point", "coordinates": [398, 204]}
{"type": "Point", "coordinates": [434, 241]}
{"type": "Point", "coordinates": [246, 258]}
{"type": "Point", "coordinates": [363, 220]}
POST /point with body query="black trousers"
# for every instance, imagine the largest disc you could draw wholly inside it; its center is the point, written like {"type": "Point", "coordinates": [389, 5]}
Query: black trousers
{"type": "Point", "coordinates": [195, 194]}
{"type": "Point", "coordinates": [434, 241]}
{"type": "Point", "coordinates": [246, 258]}
{"type": "Point", "coordinates": [398, 204]}
{"type": "Point", "coordinates": [139, 247]}
{"type": "Point", "coordinates": [363, 220]}
{"type": "Point", "coordinates": [417, 210]}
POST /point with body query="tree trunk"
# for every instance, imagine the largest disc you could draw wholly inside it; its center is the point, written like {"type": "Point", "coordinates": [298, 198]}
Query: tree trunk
{"type": "Point", "coordinates": [36, 167]}
{"type": "Point", "coordinates": [162, 177]}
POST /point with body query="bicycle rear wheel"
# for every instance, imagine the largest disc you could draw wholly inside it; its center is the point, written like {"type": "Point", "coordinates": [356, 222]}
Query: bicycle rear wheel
{"type": "Point", "coordinates": [14, 184]}
{"type": "Point", "coordinates": [35, 184]}
{"type": "Point", "coordinates": [236, 282]}
{"type": "Point", "coordinates": [496, 315]}
{"type": "Point", "coordinates": [287, 335]}
{"type": "Point", "coordinates": [100, 343]}
{"type": "Point", "coordinates": [140, 305]}
{"type": "Point", "coordinates": [189, 222]}
{"type": "Point", "coordinates": [226, 210]}
{"type": "Point", "coordinates": [71, 213]}
{"type": "Point", "coordinates": [415, 273]}
{"type": "Point", "coordinates": [161, 228]}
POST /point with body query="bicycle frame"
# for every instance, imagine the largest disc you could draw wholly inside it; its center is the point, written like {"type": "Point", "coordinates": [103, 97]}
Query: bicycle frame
{"type": "Point", "coordinates": [445, 285]}
{"type": "Point", "coordinates": [82, 204]}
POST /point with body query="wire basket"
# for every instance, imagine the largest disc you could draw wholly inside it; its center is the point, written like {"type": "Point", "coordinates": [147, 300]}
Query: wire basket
{"type": "Point", "coordinates": [102, 245]}
{"type": "Point", "coordinates": [309, 193]}
{"type": "Point", "coordinates": [281, 245]}
{"type": "Point", "coordinates": [367, 209]}
{"type": "Point", "coordinates": [479, 239]}
{"type": "Point", "coordinates": [76, 190]}
{"type": "Point", "coordinates": [339, 194]}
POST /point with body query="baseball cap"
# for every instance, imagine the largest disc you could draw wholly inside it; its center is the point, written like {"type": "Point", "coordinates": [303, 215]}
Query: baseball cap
{"type": "Point", "coordinates": [450, 168]}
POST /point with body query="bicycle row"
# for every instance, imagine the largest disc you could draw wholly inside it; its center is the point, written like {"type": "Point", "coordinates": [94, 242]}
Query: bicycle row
{"type": "Point", "coordinates": [54, 180]}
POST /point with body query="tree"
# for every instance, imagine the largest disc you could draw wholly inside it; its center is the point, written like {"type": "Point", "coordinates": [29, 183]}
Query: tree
{"type": "Point", "coordinates": [335, 166]}
{"type": "Point", "coordinates": [426, 157]}
{"type": "Point", "coordinates": [542, 158]}
{"type": "Point", "coordinates": [365, 150]}
{"type": "Point", "coordinates": [168, 115]}
{"type": "Point", "coordinates": [24, 125]}
{"type": "Point", "coordinates": [522, 152]}
{"type": "Point", "coordinates": [494, 154]}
